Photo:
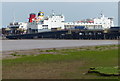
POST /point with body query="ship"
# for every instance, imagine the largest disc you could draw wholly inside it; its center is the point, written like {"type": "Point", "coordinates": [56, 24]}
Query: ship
{"type": "Point", "coordinates": [55, 26]}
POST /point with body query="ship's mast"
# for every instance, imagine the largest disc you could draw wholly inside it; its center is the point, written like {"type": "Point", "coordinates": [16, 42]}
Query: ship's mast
{"type": "Point", "coordinates": [101, 14]}
{"type": "Point", "coordinates": [13, 17]}
{"type": "Point", "coordinates": [53, 13]}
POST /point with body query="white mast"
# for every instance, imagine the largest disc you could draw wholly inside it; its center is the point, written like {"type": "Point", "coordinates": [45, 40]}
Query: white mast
{"type": "Point", "coordinates": [13, 16]}
{"type": "Point", "coordinates": [101, 14]}
{"type": "Point", "coordinates": [53, 13]}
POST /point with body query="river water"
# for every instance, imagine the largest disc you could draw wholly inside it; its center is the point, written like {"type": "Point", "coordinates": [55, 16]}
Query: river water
{"type": "Point", "coordinates": [9, 45]}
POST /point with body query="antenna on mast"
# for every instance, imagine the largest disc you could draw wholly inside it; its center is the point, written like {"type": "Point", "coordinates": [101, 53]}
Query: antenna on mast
{"type": "Point", "coordinates": [53, 13]}
{"type": "Point", "coordinates": [13, 16]}
{"type": "Point", "coordinates": [102, 15]}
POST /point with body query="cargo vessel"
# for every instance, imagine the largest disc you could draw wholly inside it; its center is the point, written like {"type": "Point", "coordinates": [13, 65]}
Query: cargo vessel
{"type": "Point", "coordinates": [55, 26]}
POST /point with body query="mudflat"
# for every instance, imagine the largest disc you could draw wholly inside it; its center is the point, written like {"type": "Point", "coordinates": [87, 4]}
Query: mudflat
{"type": "Point", "coordinates": [56, 63]}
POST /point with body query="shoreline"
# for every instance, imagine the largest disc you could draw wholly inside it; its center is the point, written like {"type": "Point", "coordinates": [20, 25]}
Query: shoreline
{"type": "Point", "coordinates": [8, 54]}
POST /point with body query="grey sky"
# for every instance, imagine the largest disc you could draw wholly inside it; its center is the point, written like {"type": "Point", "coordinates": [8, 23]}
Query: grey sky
{"type": "Point", "coordinates": [73, 11]}
{"type": "Point", "coordinates": [59, 0]}
{"type": "Point", "coordinates": [119, 13]}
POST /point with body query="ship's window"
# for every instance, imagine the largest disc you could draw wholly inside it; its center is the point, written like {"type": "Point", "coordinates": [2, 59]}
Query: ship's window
{"type": "Point", "coordinates": [11, 23]}
{"type": "Point", "coordinates": [44, 25]}
{"type": "Point", "coordinates": [16, 23]}
{"type": "Point", "coordinates": [45, 28]}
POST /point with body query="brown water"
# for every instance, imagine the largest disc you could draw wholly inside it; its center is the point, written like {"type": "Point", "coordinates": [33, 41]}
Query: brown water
{"type": "Point", "coordinates": [8, 45]}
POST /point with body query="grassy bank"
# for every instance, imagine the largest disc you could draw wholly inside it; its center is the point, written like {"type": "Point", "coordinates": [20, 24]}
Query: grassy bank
{"type": "Point", "coordinates": [61, 63]}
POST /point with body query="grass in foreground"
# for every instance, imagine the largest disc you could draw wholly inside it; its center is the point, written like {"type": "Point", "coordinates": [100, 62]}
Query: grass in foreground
{"type": "Point", "coordinates": [65, 64]}
{"type": "Point", "coordinates": [105, 71]}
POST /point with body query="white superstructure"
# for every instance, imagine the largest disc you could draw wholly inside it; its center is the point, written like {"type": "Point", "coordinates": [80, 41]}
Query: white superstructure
{"type": "Point", "coordinates": [17, 28]}
{"type": "Point", "coordinates": [54, 21]}
{"type": "Point", "coordinates": [41, 23]}
{"type": "Point", "coordinates": [58, 21]}
{"type": "Point", "coordinates": [21, 25]}
{"type": "Point", "coordinates": [47, 23]}
{"type": "Point", "coordinates": [93, 23]}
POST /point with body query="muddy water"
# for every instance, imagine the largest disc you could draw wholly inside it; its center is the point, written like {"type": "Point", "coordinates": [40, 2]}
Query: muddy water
{"type": "Point", "coordinates": [9, 45]}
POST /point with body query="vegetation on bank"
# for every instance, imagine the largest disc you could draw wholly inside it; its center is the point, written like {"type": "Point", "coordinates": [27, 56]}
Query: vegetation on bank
{"type": "Point", "coordinates": [62, 63]}
{"type": "Point", "coordinates": [105, 71]}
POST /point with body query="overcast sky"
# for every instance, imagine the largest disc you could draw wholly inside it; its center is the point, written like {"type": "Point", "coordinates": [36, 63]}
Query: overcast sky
{"type": "Point", "coordinates": [73, 11]}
